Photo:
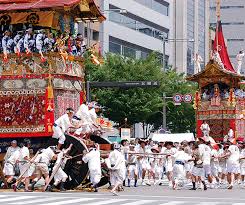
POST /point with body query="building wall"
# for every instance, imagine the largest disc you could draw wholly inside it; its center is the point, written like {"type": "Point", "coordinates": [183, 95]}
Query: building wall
{"type": "Point", "coordinates": [190, 21]}
{"type": "Point", "coordinates": [233, 22]}
{"type": "Point", "coordinates": [130, 30]}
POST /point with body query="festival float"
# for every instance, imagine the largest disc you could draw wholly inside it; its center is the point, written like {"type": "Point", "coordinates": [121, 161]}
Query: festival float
{"type": "Point", "coordinates": [42, 72]}
{"type": "Point", "coordinates": [220, 99]}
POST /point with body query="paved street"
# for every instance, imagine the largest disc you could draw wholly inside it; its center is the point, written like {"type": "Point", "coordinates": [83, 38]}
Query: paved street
{"type": "Point", "coordinates": [133, 196]}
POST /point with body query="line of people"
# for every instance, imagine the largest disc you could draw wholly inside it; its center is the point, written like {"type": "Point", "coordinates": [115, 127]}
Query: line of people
{"type": "Point", "coordinates": [40, 41]}
{"type": "Point", "coordinates": [19, 168]}
{"type": "Point", "coordinates": [185, 163]}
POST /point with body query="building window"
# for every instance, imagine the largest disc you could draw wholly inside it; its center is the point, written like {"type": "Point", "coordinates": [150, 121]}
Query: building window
{"type": "Point", "coordinates": [126, 50]}
{"type": "Point", "coordinates": [114, 48]}
{"type": "Point", "coordinates": [235, 39]}
{"type": "Point", "coordinates": [137, 25]}
{"type": "Point", "coordinates": [159, 6]}
{"type": "Point", "coordinates": [233, 23]}
{"type": "Point", "coordinates": [190, 35]}
{"type": "Point", "coordinates": [95, 35]}
{"type": "Point", "coordinates": [227, 7]}
{"type": "Point", "coordinates": [228, 23]}
{"type": "Point", "coordinates": [85, 32]}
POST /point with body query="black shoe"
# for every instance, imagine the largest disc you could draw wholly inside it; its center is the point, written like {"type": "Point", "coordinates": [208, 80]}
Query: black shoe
{"type": "Point", "coordinates": [193, 189]}
{"type": "Point", "coordinates": [33, 185]}
{"type": "Point", "coordinates": [20, 185]}
{"type": "Point", "coordinates": [52, 188]}
{"type": "Point", "coordinates": [124, 183]}
{"type": "Point", "coordinates": [128, 182]}
{"type": "Point", "coordinates": [96, 190]}
{"type": "Point", "coordinates": [49, 188]}
{"type": "Point", "coordinates": [62, 186]}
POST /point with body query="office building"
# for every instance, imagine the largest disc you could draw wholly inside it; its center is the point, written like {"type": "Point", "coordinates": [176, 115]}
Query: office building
{"type": "Point", "coordinates": [134, 28]}
{"type": "Point", "coordinates": [190, 22]}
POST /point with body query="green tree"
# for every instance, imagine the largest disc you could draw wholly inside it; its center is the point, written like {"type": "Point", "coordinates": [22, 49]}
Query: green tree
{"type": "Point", "coordinates": [138, 104]}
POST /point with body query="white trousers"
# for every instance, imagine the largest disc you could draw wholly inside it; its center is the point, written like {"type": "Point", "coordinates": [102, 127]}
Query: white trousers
{"type": "Point", "coordinates": [8, 169]}
{"type": "Point", "coordinates": [178, 171]}
{"type": "Point", "coordinates": [94, 176]}
{"type": "Point", "coordinates": [25, 168]}
{"type": "Point", "coordinates": [60, 176]}
{"type": "Point", "coordinates": [59, 134]}
{"type": "Point", "coordinates": [117, 176]}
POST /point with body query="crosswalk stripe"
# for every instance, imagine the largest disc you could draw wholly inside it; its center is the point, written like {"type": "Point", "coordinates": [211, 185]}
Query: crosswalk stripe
{"type": "Point", "coordinates": [208, 203]}
{"type": "Point", "coordinates": [2, 196]}
{"type": "Point", "coordinates": [238, 204]}
{"type": "Point", "coordinates": [17, 198]}
{"type": "Point", "coordinates": [69, 201]}
{"type": "Point", "coordinates": [107, 202]}
{"type": "Point", "coordinates": [173, 203]}
{"type": "Point", "coordinates": [39, 200]}
{"type": "Point", "coordinates": [139, 202]}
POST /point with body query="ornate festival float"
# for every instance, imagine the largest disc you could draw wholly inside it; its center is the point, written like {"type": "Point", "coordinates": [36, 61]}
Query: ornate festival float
{"type": "Point", "coordinates": [42, 72]}
{"type": "Point", "coordinates": [220, 99]}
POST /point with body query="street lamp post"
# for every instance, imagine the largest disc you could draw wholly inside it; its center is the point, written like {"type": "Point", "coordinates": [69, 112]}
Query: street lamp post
{"type": "Point", "coordinates": [164, 40]}
{"type": "Point", "coordinates": [163, 53]}
{"type": "Point", "coordinates": [164, 124]}
{"type": "Point", "coordinates": [164, 111]}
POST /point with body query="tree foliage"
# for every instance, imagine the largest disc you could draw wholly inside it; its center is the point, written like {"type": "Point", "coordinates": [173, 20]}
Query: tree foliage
{"type": "Point", "coordinates": [138, 104]}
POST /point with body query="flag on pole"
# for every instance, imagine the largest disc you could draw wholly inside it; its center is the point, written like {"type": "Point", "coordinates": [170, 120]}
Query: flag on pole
{"type": "Point", "coordinates": [219, 45]}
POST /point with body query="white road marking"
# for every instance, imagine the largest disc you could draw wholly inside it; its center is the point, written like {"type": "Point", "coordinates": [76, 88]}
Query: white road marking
{"type": "Point", "coordinates": [71, 201]}
{"type": "Point", "coordinates": [209, 203]}
{"type": "Point", "coordinates": [14, 198]}
{"type": "Point", "coordinates": [162, 196]}
{"type": "Point", "coordinates": [139, 202]}
{"type": "Point", "coordinates": [107, 201]}
{"type": "Point", "coordinates": [174, 203]}
{"type": "Point", "coordinates": [39, 200]}
{"type": "Point", "coordinates": [238, 204]}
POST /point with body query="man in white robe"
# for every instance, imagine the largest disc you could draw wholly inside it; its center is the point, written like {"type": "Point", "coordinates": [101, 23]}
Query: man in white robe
{"type": "Point", "coordinates": [83, 119]}
{"type": "Point", "coordinates": [9, 165]}
{"type": "Point", "coordinates": [14, 147]}
{"type": "Point", "coordinates": [198, 60]}
{"type": "Point", "coordinates": [239, 59]}
{"type": "Point", "coordinates": [205, 130]}
{"type": "Point", "coordinates": [42, 162]}
{"type": "Point", "coordinates": [93, 159]}
{"type": "Point", "coordinates": [116, 164]}
{"type": "Point", "coordinates": [61, 125]}
{"type": "Point", "coordinates": [24, 165]}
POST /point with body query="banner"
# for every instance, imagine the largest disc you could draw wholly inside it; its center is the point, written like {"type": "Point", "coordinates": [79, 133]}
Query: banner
{"type": "Point", "coordinates": [219, 44]}
{"type": "Point", "coordinates": [41, 18]}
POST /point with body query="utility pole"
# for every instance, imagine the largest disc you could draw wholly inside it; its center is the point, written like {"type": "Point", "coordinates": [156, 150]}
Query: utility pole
{"type": "Point", "coordinates": [164, 124]}
{"type": "Point", "coordinates": [88, 97]}
{"type": "Point", "coordinates": [163, 53]}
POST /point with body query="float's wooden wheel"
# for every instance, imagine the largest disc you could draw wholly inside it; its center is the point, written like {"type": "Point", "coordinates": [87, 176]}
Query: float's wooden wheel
{"type": "Point", "coordinates": [75, 168]}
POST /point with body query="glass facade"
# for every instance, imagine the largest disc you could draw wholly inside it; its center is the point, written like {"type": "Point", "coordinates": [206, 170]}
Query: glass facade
{"type": "Point", "coordinates": [126, 50]}
{"type": "Point", "coordinates": [132, 51]}
{"type": "Point", "coordinates": [195, 23]}
{"type": "Point", "coordinates": [201, 28]}
{"type": "Point", "coordinates": [137, 25]}
{"type": "Point", "coordinates": [190, 35]}
{"type": "Point", "coordinates": [157, 5]}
